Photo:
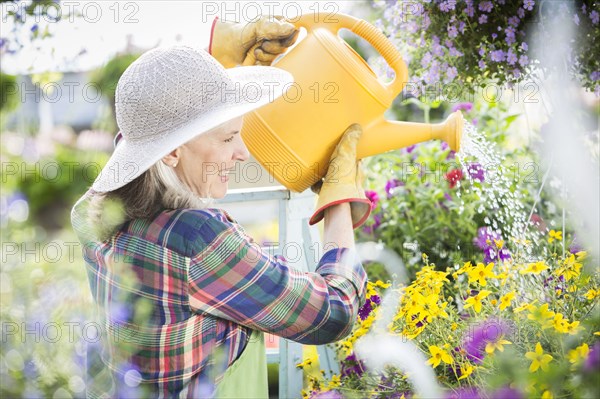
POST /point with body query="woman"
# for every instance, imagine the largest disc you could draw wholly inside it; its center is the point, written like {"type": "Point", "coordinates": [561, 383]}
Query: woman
{"type": "Point", "coordinates": [183, 293]}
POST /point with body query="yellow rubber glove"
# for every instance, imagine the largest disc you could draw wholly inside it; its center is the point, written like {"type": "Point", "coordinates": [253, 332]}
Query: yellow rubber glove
{"type": "Point", "coordinates": [343, 181]}
{"type": "Point", "coordinates": [254, 43]}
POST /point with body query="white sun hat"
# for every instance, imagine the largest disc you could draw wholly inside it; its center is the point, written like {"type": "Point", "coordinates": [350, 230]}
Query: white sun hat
{"type": "Point", "coordinates": [170, 95]}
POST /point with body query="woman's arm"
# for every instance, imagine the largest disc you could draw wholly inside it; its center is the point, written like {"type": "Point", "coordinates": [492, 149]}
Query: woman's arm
{"type": "Point", "coordinates": [338, 226]}
{"type": "Point", "coordinates": [232, 277]}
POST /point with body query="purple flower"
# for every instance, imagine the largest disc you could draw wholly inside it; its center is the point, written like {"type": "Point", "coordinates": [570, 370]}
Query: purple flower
{"type": "Point", "coordinates": [507, 393]}
{"type": "Point", "coordinates": [451, 73]}
{"type": "Point", "coordinates": [494, 36]}
{"type": "Point", "coordinates": [486, 6]}
{"type": "Point", "coordinates": [454, 52]}
{"type": "Point", "coordinates": [461, 26]}
{"type": "Point", "coordinates": [485, 241]}
{"type": "Point", "coordinates": [352, 366]}
{"type": "Point", "coordinates": [464, 393]}
{"type": "Point", "coordinates": [521, 12]}
{"type": "Point", "coordinates": [511, 57]}
{"type": "Point", "coordinates": [576, 19]}
{"type": "Point", "coordinates": [34, 27]}
{"type": "Point", "coordinates": [575, 247]}
{"type": "Point", "coordinates": [426, 60]}
{"type": "Point", "coordinates": [514, 21]}
{"type": "Point", "coordinates": [481, 64]}
{"type": "Point", "coordinates": [481, 51]}
{"type": "Point", "coordinates": [523, 60]}
{"type": "Point", "coordinates": [370, 228]}
{"type": "Point", "coordinates": [375, 299]}
{"type": "Point", "coordinates": [489, 254]}
{"type": "Point", "coordinates": [476, 172]}
{"type": "Point", "coordinates": [528, 5]}
{"type": "Point", "coordinates": [476, 339]}
{"type": "Point", "coordinates": [447, 5]}
{"type": "Point", "coordinates": [365, 310]}
{"type": "Point", "coordinates": [390, 185]}
{"type": "Point", "coordinates": [592, 362]}
{"type": "Point", "coordinates": [594, 76]}
{"type": "Point", "coordinates": [452, 31]}
{"type": "Point", "coordinates": [504, 254]}
{"type": "Point", "coordinates": [328, 395]}
{"type": "Point", "coordinates": [470, 11]}
{"type": "Point", "coordinates": [482, 19]}
{"type": "Point", "coordinates": [510, 35]}
{"type": "Point", "coordinates": [411, 148]}
{"type": "Point", "coordinates": [595, 17]}
{"type": "Point", "coordinates": [498, 55]}
{"type": "Point", "coordinates": [466, 107]}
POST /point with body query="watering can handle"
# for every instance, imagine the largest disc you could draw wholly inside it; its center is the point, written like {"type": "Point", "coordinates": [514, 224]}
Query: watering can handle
{"type": "Point", "coordinates": [368, 32]}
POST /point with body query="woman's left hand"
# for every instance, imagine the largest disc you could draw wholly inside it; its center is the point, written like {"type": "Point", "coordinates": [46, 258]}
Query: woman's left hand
{"type": "Point", "coordinates": [254, 43]}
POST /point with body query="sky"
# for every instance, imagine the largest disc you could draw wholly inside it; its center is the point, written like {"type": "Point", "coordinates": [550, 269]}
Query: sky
{"type": "Point", "coordinates": [104, 28]}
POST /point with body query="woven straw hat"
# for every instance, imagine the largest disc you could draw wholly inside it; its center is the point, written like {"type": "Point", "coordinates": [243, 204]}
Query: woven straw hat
{"type": "Point", "coordinates": [170, 95]}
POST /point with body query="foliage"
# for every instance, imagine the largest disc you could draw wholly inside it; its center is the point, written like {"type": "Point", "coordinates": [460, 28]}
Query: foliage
{"type": "Point", "coordinates": [450, 41]}
{"type": "Point", "coordinates": [52, 183]}
{"type": "Point", "coordinates": [36, 16]}
{"type": "Point", "coordinates": [107, 77]}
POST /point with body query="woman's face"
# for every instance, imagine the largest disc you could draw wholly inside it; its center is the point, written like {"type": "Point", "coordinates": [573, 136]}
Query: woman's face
{"type": "Point", "coordinates": [203, 164]}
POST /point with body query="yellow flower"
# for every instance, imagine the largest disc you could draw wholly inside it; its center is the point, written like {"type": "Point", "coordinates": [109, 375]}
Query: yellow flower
{"type": "Point", "coordinates": [506, 299]}
{"type": "Point", "coordinates": [499, 243]}
{"type": "Point", "coordinates": [438, 355]}
{"type": "Point", "coordinates": [524, 306]}
{"type": "Point", "coordinates": [547, 395]}
{"type": "Point", "coordinates": [559, 323]}
{"type": "Point", "coordinates": [539, 359]}
{"type": "Point", "coordinates": [572, 328]}
{"type": "Point", "coordinates": [454, 326]}
{"type": "Point", "coordinates": [480, 273]}
{"type": "Point", "coordinates": [569, 269]}
{"type": "Point", "coordinates": [534, 268]}
{"type": "Point", "coordinates": [466, 372]}
{"type": "Point", "coordinates": [578, 353]}
{"type": "Point", "coordinates": [592, 294]}
{"type": "Point", "coordinates": [555, 235]}
{"type": "Point", "coordinates": [541, 315]}
{"type": "Point", "coordinates": [306, 362]}
{"type": "Point", "coordinates": [465, 268]}
{"type": "Point", "coordinates": [335, 381]}
{"type": "Point", "coordinates": [597, 333]}
{"type": "Point", "coordinates": [581, 255]}
{"type": "Point", "coordinates": [499, 344]}
{"type": "Point", "coordinates": [475, 301]}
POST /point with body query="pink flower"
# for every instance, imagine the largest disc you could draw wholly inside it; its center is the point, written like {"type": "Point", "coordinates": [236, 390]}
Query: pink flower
{"type": "Point", "coordinates": [373, 197]}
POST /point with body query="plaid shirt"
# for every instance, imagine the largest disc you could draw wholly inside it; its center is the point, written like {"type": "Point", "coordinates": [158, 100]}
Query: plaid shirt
{"type": "Point", "coordinates": [176, 290]}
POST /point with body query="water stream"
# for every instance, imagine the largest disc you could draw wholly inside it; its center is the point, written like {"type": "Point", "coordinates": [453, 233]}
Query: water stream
{"type": "Point", "coordinates": [502, 203]}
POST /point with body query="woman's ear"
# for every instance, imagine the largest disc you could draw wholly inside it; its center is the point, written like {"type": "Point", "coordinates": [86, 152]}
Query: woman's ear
{"type": "Point", "coordinates": [172, 158]}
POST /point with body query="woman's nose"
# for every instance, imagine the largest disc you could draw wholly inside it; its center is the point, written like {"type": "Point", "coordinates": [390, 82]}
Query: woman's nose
{"type": "Point", "coordinates": [241, 152]}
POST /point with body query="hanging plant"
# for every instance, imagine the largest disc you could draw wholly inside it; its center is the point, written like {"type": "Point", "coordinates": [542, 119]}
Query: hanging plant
{"type": "Point", "coordinates": [467, 42]}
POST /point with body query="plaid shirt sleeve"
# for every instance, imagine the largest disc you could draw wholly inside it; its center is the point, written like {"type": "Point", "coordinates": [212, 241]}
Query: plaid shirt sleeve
{"type": "Point", "coordinates": [233, 278]}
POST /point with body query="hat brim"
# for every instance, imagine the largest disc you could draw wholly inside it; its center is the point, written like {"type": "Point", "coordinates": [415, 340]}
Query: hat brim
{"type": "Point", "coordinates": [255, 86]}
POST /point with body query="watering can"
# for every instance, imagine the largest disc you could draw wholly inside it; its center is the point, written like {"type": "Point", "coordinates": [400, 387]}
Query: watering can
{"type": "Point", "coordinates": [294, 136]}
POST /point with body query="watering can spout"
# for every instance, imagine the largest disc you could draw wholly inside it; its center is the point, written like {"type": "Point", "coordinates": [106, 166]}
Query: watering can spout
{"type": "Point", "coordinates": [384, 135]}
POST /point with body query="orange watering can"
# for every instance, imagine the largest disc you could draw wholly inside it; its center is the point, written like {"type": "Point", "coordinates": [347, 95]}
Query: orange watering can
{"type": "Point", "coordinates": [294, 136]}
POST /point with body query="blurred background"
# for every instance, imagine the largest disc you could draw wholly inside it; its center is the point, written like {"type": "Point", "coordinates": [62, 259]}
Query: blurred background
{"type": "Point", "coordinates": [60, 63]}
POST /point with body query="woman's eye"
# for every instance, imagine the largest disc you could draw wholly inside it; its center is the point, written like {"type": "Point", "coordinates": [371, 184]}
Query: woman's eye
{"type": "Point", "coordinates": [229, 140]}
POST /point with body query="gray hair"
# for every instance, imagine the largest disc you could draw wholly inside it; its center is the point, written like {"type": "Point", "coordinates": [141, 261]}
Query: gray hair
{"type": "Point", "coordinates": [156, 189]}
